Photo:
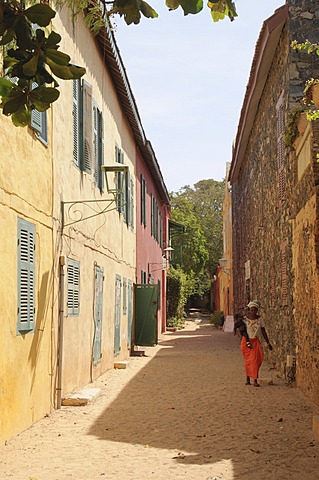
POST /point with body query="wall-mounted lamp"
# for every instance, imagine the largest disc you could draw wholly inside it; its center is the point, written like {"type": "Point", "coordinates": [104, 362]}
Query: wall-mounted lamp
{"type": "Point", "coordinates": [79, 210]}
{"type": "Point", "coordinates": [168, 251]}
{"type": "Point", "coordinates": [223, 263]}
{"type": "Point", "coordinates": [114, 171]}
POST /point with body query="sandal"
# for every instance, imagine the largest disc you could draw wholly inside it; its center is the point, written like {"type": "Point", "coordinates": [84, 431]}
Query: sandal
{"type": "Point", "coordinates": [247, 381]}
{"type": "Point", "coordinates": [256, 384]}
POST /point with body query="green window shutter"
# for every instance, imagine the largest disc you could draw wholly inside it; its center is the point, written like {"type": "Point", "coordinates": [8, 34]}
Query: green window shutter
{"type": "Point", "coordinates": [95, 144]}
{"type": "Point", "coordinates": [127, 199]}
{"type": "Point", "coordinates": [87, 128]}
{"type": "Point", "coordinates": [132, 203]}
{"type": "Point", "coordinates": [143, 201]}
{"type": "Point", "coordinates": [76, 118]}
{"type": "Point", "coordinates": [26, 276]}
{"type": "Point", "coordinates": [152, 215]}
{"type": "Point", "coordinates": [101, 150]}
{"type": "Point", "coordinates": [73, 286]}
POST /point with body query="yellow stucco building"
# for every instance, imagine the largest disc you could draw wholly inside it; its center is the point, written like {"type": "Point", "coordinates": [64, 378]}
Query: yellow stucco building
{"type": "Point", "coordinates": [69, 244]}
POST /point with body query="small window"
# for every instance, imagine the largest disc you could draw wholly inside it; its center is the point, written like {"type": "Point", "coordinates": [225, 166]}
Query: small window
{"type": "Point", "coordinates": [73, 293]}
{"type": "Point", "coordinates": [26, 274]}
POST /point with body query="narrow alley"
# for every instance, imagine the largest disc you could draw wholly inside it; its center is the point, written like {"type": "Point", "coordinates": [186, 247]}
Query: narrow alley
{"type": "Point", "coordinates": [181, 412]}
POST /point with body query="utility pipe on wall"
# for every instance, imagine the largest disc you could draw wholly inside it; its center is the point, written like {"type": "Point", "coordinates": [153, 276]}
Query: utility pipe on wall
{"type": "Point", "coordinates": [60, 334]}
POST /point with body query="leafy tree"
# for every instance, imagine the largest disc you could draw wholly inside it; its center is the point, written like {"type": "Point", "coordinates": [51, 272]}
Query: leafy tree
{"type": "Point", "coordinates": [207, 198]}
{"type": "Point", "coordinates": [190, 248]}
{"type": "Point", "coordinates": [32, 59]}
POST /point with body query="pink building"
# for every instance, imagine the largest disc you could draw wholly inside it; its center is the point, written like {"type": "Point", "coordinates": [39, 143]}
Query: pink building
{"type": "Point", "coordinates": [152, 215]}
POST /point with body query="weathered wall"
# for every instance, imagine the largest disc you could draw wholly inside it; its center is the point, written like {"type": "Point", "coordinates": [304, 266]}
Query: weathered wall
{"type": "Point", "coordinates": [105, 240]}
{"type": "Point", "coordinates": [275, 212]}
{"type": "Point", "coordinates": [25, 359]}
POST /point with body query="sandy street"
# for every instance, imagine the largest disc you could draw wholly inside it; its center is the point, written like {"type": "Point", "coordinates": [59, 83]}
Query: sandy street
{"type": "Point", "coordinates": [181, 412]}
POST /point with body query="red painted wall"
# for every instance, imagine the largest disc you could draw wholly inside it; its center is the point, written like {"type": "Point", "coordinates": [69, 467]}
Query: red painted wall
{"type": "Point", "coordinates": [149, 252]}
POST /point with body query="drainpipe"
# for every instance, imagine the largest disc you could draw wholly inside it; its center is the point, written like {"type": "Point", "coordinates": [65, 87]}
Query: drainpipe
{"type": "Point", "coordinates": [60, 334]}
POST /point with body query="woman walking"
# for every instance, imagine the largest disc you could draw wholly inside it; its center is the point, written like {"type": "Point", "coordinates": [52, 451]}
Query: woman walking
{"type": "Point", "coordinates": [253, 357]}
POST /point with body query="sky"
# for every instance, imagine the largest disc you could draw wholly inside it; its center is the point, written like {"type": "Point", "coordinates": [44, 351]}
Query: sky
{"type": "Point", "coordinates": [188, 76]}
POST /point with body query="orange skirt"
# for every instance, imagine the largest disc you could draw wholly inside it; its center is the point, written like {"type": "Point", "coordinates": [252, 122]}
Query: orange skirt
{"type": "Point", "coordinates": [253, 357]}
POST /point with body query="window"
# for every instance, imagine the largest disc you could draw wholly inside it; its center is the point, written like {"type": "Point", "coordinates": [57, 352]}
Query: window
{"type": "Point", "coordinates": [82, 113]}
{"type": "Point", "coordinates": [143, 201]}
{"type": "Point", "coordinates": [98, 142]}
{"type": "Point", "coordinates": [154, 218]}
{"type": "Point", "coordinates": [26, 273]}
{"type": "Point", "coordinates": [39, 124]}
{"type": "Point", "coordinates": [143, 277]}
{"type": "Point", "coordinates": [73, 294]}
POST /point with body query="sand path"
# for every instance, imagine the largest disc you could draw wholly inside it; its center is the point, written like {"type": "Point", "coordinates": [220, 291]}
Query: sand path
{"type": "Point", "coordinates": [181, 412]}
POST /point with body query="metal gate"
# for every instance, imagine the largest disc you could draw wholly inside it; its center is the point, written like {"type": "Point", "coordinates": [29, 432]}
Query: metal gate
{"type": "Point", "coordinates": [146, 306]}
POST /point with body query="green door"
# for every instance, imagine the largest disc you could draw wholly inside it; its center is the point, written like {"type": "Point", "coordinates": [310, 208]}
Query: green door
{"type": "Point", "coordinates": [129, 312]}
{"type": "Point", "coordinates": [146, 306]}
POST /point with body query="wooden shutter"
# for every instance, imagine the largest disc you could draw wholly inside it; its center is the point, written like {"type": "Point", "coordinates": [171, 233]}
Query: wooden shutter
{"type": "Point", "coordinates": [26, 275]}
{"type": "Point", "coordinates": [87, 127]}
{"type": "Point", "coordinates": [73, 293]}
{"type": "Point", "coordinates": [76, 115]}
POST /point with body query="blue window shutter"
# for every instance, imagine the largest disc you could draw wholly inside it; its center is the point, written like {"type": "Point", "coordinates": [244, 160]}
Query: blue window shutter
{"type": "Point", "coordinates": [76, 118]}
{"type": "Point", "coordinates": [87, 128]}
{"type": "Point", "coordinates": [124, 296]}
{"type": "Point", "coordinates": [73, 287]}
{"type": "Point", "coordinates": [26, 275]}
{"type": "Point", "coordinates": [39, 121]}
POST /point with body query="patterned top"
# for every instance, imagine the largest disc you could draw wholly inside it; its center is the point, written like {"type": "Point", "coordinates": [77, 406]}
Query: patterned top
{"type": "Point", "coordinates": [254, 326]}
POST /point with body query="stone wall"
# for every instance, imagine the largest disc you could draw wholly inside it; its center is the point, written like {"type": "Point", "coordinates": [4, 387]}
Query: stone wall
{"type": "Point", "coordinates": [275, 216]}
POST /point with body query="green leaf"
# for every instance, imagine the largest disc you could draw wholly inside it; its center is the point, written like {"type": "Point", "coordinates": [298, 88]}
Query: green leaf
{"type": "Point", "coordinates": [45, 95]}
{"type": "Point", "coordinates": [40, 14]}
{"type": "Point", "coordinates": [5, 87]}
{"type": "Point", "coordinates": [53, 40]}
{"type": "Point", "coordinates": [8, 37]}
{"type": "Point", "coordinates": [14, 104]}
{"type": "Point", "coordinates": [172, 4]}
{"type": "Point", "coordinates": [23, 33]}
{"type": "Point", "coordinates": [62, 71]}
{"type": "Point", "coordinates": [21, 118]}
{"type": "Point", "coordinates": [76, 71]}
{"type": "Point", "coordinates": [147, 10]}
{"type": "Point", "coordinates": [30, 67]}
{"type": "Point", "coordinates": [59, 58]}
{"type": "Point", "coordinates": [191, 6]}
